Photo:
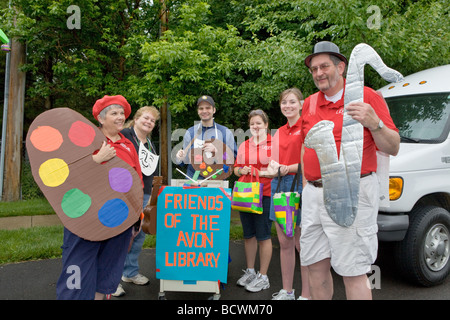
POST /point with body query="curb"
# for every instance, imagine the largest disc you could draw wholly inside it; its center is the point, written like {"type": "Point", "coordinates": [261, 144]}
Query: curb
{"type": "Point", "coordinates": [18, 222]}
{"type": "Point", "coordinates": [13, 223]}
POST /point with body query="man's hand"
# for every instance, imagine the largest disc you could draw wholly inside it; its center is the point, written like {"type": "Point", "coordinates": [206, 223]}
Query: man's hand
{"type": "Point", "coordinates": [364, 114]}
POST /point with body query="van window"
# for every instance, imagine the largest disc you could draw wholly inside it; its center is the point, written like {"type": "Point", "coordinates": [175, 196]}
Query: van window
{"type": "Point", "coordinates": [421, 118]}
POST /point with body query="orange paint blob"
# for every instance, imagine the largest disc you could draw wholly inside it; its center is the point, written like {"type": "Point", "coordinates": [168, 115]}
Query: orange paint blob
{"type": "Point", "coordinates": [46, 139]}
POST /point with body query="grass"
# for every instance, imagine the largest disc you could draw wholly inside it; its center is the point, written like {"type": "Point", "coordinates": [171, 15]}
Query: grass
{"type": "Point", "coordinates": [45, 243]}
{"type": "Point", "coordinates": [30, 244]}
{"type": "Point", "coordinates": [38, 206]}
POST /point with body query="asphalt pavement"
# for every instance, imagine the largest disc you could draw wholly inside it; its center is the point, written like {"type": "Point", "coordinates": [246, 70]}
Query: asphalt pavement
{"type": "Point", "coordinates": [36, 280]}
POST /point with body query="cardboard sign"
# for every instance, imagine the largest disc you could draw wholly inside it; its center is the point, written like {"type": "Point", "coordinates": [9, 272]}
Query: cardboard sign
{"type": "Point", "coordinates": [193, 231]}
{"type": "Point", "coordinates": [94, 201]}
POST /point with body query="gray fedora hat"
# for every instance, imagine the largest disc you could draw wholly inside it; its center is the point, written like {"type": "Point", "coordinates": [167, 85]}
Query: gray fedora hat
{"type": "Point", "coordinates": [325, 47]}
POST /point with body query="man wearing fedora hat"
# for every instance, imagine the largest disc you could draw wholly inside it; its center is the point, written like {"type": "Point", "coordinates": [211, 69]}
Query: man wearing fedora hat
{"type": "Point", "coordinates": [349, 250]}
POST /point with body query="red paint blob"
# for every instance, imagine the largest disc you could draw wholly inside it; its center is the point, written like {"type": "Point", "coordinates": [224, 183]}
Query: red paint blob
{"type": "Point", "coordinates": [81, 134]}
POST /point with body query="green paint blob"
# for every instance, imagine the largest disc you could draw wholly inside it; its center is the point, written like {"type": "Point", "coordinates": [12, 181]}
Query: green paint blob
{"type": "Point", "coordinates": [75, 203]}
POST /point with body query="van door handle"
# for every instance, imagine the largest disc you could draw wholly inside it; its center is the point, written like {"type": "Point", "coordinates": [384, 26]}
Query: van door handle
{"type": "Point", "coordinates": [445, 159]}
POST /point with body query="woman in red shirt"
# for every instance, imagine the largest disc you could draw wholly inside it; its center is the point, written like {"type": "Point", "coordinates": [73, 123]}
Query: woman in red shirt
{"type": "Point", "coordinates": [255, 153]}
{"type": "Point", "coordinates": [287, 156]}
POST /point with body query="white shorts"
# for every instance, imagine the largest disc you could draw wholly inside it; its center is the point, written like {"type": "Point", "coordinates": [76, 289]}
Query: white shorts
{"type": "Point", "coordinates": [352, 249]}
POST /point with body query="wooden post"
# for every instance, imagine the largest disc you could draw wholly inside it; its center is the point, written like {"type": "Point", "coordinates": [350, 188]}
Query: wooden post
{"type": "Point", "coordinates": [164, 146]}
{"type": "Point", "coordinates": [14, 127]}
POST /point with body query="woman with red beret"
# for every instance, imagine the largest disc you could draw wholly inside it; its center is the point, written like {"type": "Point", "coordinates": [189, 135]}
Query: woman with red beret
{"type": "Point", "coordinates": [92, 269]}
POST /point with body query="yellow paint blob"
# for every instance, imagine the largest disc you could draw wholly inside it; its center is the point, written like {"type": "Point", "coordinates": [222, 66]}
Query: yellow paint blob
{"type": "Point", "coordinates": [54, 172]}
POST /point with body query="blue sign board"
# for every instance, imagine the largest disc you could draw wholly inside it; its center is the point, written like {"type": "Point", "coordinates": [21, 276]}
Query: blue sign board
{"type": "Point", "coordinates": [192, 234]}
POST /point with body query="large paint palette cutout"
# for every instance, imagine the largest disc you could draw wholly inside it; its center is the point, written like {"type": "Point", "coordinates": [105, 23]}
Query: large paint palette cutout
{"type": "Point", "coordinates": [94, 201]}
{"type": "Point", "coordinates": [213, 166]}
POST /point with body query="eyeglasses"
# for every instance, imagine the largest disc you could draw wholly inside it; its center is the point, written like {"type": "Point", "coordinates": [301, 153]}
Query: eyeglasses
{"type": "Point", "coordinates": [324, 67]}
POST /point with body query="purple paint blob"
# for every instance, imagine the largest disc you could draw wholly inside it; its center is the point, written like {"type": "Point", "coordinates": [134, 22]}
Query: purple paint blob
{"type": "Point", "coordinates": [120, 179]}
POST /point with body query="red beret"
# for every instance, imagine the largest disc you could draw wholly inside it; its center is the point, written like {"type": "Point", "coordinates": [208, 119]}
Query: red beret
{"type": "Point", "coordinates": [106, 101]}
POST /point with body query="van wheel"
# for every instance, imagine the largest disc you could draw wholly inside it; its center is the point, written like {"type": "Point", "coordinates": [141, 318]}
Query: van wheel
{"type": "Point", "coordinates": [423, 255]}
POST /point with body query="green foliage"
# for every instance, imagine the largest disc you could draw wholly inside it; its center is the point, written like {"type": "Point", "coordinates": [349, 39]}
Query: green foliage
{"type": "Point", "coordinates": [242, 52]}
{"type": "Point", "coordinates": [29, 188]}
{"type": "Point", "coordinates": [73, 68]}
{"type": "Point", "coordinates": [245, 53]}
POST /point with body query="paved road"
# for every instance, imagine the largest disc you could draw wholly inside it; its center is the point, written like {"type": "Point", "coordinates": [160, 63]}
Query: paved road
{"type": "Point", "coordinates": [36, 281]}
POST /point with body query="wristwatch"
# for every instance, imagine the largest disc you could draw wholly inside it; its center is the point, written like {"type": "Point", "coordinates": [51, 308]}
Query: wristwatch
{"type": "Point", "coordinates": [379, 126]}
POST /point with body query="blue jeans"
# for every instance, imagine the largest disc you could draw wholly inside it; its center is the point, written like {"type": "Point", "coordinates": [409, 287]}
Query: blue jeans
{"type": "Point", "coordinates": [131, 266]}
{"type": "Point", "coordinates": [257, 225]}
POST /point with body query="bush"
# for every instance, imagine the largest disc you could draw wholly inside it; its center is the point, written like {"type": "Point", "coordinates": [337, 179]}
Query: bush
{"type": "Point", "coordinates": [30, 189]}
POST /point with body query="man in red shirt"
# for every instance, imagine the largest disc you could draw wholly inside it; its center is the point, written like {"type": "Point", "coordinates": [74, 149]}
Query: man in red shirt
{"type": "Point", "coordinates": [325, 244]}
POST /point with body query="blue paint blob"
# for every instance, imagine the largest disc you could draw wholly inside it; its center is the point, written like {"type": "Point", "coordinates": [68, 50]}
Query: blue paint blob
{"type": "Point", "coordinates": [113, 213]}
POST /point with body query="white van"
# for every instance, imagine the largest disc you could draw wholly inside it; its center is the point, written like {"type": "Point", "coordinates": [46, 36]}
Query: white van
{"type": "Point", "coordinates": [418, 217]}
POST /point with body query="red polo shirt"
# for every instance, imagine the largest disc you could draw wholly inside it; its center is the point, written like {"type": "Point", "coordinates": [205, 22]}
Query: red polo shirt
{"type": "Point", "coordinates": [257, 156]}
{"type": "Point", "coordinates": [327, 110]}
{"type": "Point", "coordinates": [287, 144]}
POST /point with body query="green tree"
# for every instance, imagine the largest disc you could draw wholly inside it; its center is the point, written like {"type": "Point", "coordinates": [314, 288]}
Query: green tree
{"type": "Point", "coordinates": [195, 58]}
{"type": "Point", "coordinates": [242, 52]}
{"type": "Point", "coordinates": [74, 67]}
{"type": "Point", "coordinates": [409, 36]}
{"type": "Point", "coordinates": [246, 52]}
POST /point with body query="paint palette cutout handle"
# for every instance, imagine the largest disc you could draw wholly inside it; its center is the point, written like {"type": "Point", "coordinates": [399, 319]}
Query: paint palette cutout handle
{"type": "Point", "coordinates": [94, 201]}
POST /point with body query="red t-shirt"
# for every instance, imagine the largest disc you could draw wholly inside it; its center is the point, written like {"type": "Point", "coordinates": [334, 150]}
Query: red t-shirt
{"type": "Point", "coordinates": [287, 144]}
{"type": "Point", "coordinates": [327, 110]}
{"type": "Point", "coordinates": [257, 156]}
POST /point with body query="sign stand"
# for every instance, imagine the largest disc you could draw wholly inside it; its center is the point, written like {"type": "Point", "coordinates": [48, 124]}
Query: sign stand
{"type": "Point", "coordinates": [187, 286]}
{"type": "Point", "coordinates": [192, 286]}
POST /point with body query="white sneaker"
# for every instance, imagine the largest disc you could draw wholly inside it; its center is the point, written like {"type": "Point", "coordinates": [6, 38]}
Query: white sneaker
{"type": "Point", "coordinates": [119, 292]}
{"type": "Point", "coordinates": [302, 298]}
{"type": "Point", "coordinates": [138, 279]}
{"type": "Point", "coordinates": [284, 295]}
{"type": "Point", "coordinates": [258, 284]}
{"type": "Point", "coordinates": [246, 278]}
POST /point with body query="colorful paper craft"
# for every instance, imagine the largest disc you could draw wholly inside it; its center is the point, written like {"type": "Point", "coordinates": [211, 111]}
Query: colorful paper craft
{"type": "Point", "coordinates": [94, 201]}
{"type": "Point", "coordinates": [209, 163]}
{"type": "Point", "coordinates": [286, 206]}
{"type": "Point", "coordinates": [3, 37]}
